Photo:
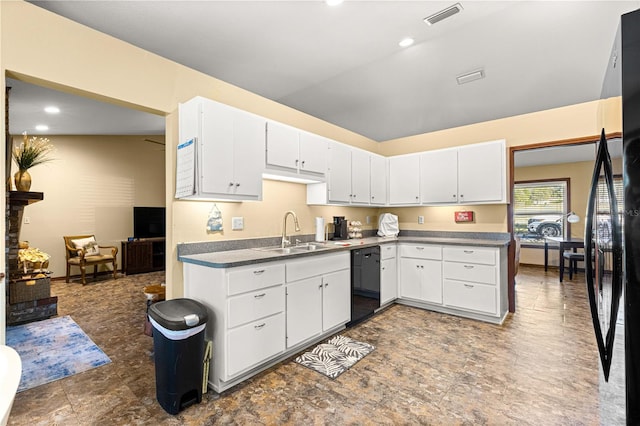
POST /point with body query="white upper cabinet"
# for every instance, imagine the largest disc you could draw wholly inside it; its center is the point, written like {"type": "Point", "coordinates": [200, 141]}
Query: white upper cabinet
{"type": "Point", "coordinates": [229, 144]}
{"type": "Point", "coordinates": [464, 175]}
{"type": "Point", "coordinates": [439, 176]}
{"type": "Point", "coordinates": [339, 179]}
{"type": "Point", "coordinates": [482, 173]}
{"type": "Point", "coordinates": [360, 177]}
{"type": "Point", "coordinates": [291, 152]}
{"type": "Point", "coordinates": [378, 173]}
{"type": "Point", "coordinates": [404, 180]}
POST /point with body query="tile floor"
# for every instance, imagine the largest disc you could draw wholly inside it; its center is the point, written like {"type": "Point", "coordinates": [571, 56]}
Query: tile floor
{"type": "Point", "coordinates": [539, 368]}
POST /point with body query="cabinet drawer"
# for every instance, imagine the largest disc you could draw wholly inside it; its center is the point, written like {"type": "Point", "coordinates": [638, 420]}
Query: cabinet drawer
{"type": "Point", "coordinates": [388, 251]}
{"type": "Point", "coordinates": [252, 278]}
{"type": "Point", "coordinates": [485, 256]}
{"type": "Point", "coordinates": [307, 267]}
{"type": "Point", "coordinates": [255, 305]}
{"type": "Point", "coordinates": [475, 297]}
{"type": "Point", "coordinates": [421, 251]}
{"type": "Point", "coordinates": [470, 272]}
{"type": "Point", "coordinates": [253, 343]}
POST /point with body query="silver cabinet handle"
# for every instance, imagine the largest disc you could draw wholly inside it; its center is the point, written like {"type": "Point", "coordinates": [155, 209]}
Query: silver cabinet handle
{"type": "Point", "coordinates": [259, 326]}
{"type": "Point", "coordinates": [383, 268]}
{"type": "Point", "coordinates": [237, 185]}
{"type": "Point", "coordinates": [302, 163]}
{"type": "Point", "coordinates": [454, 195]}
{"type": "Point", "coordinates": [258, 271]}
{"type": "Point", "coordinates": [468, 266]}
{"type": "Point", "coordinates": [468, 251]}
{"type": "Point", "coordinates": [326, 284]}
{"type": "Point", "coordinates": [419, 248]}
{"type": "Point", "coordinates": [259, 296]}
{"type": "Point", "coordinates": [297, 161]}
{"type": "Point", "coordinates": [230, 183]}
{"type": "Point", "coordinates": [320, 286]}
{"type": "Point", "coordinates": [468, 286]}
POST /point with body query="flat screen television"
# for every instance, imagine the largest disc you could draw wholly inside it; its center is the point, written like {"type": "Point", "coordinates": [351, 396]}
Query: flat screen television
{"type": "Point", "coordinates": [149, 222]}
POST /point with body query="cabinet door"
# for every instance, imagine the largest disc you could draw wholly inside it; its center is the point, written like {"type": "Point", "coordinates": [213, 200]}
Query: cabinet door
{"type": "Point", "coordinates": [139, 257]}
{"type": "Point", "coordinates": [216, 162]}
{"type": "Point", "coordinates": [339, 173]}
{"type": "Point", "coordinates": [431, 281]}
{"type": "Point", "coordinates": [378, 174]}
{"type": "Point", "coordinates": [304, 310]}
{"type": "Point", "coordinates": [253, 343]}
{"type": "Point", "coordinates": [282, 146]}
{"type": "Point", "coordinates": [481, 172]}
{"type": "Point", "coordinates": [336, 299]}
{"type": "Point", "coordinates": [404, 180]}
{"type": "Point", "coordinates": [248, 148]}
{"type": "Point", "coordinates": [388, 280]}
{"type": "Point", "coordinates": [439, 176]}
{"type": "Point", "coordinates": [313, 154]}
{"type": "Point", "coordinates": [360, 179]}
{"type": "Point", "coordinates": [410, 279]}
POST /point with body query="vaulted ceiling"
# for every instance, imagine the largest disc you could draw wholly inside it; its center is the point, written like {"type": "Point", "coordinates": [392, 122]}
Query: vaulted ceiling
{"type": "Point", "coordinates": [343, 64]}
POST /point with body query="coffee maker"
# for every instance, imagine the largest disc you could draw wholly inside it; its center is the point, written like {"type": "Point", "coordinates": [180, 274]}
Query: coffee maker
{"type": "Point", "coordinates": [339, 228]}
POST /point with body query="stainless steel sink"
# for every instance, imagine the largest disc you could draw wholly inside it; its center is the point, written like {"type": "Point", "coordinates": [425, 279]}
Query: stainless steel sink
{"type": "Point", "coordinates": [300, 248]}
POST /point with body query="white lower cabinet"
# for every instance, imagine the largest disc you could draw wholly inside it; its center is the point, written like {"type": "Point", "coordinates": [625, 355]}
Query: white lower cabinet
{"type": "Point", "coordinates": [467, 281]}
{"type": "Point", "coordinates": [472, 279]}
{"type": "Point", "coordinates": [421, 272]}
{"type": "Point", "coordinates": [260, 314]}
{"type": "Point", "coordinates": [318, 296]}
{"type": "Point", "coordinates": [388, 273]}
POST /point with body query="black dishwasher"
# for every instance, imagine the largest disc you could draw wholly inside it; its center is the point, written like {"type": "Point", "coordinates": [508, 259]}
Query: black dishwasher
{"type": "Point", "coordinates": [365, 283]}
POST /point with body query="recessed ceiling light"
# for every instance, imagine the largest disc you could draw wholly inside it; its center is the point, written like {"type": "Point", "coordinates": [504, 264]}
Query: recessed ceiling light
{"type": "Point", "coordinates": [42, 127]}
{"type": "Point", "coordinates": [333, 2]}
{"type": "Point", "coordinates": [405, 42]}
{"type": "Point", "coordinates": [52, 109]}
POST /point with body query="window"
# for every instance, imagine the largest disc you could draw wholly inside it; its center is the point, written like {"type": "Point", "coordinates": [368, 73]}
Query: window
{"type": "Point", "coordinates": [603, 210]}
{"type": "Point", "coordinates": [540, 209]}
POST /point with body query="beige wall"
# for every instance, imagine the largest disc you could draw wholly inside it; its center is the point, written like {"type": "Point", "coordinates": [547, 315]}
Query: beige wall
{"type": "Point", "coordinates": [40, 47]}
{"type": "Point", "coordinates": [91, 188]}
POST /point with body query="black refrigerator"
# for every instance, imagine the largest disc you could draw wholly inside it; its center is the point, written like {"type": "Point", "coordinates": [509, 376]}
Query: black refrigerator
{"type": "Point", "coordinates": [612, 231]}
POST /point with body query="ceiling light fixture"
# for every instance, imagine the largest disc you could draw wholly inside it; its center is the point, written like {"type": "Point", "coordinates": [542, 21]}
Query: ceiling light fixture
{"type": "Point", "coordinates": [406, 42]}
{"type": "Point", "coordinates": [333, 2]}
{"type": "Point", "coordinates": [470, 76]}
{"type": "Point", "coordinates": [42, 127]}
{"type": "Point", "coordinates": [52, 109]}
{"type": "Point", "coordinates": [443, 14]}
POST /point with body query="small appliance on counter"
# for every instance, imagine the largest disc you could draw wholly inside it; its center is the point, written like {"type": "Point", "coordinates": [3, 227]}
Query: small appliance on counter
{"type": "Point", "coordinates": [388, 225]}
{"type": "Point", "coordinates": [340, 228]}
{"type": "Point", "coordinates": [319, 229]}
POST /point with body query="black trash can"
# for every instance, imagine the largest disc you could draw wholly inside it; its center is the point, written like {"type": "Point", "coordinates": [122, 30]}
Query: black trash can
{"type": "Point", "coordinates": [179, 346]}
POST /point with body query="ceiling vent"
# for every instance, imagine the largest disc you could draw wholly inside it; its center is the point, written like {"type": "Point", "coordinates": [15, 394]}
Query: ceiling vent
{"type": "Point", "coordinates": [443, 14]}
{"type": "Point", "coordinates": [470, 76]}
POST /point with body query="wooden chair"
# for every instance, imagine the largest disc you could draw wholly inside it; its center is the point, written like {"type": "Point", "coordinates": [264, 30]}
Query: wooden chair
{"type": "Point", "coordinates": [83, 251]}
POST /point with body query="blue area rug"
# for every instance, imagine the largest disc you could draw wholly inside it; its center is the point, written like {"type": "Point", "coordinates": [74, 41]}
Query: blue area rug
{"type": "Point", "coordinates": [53, 349]}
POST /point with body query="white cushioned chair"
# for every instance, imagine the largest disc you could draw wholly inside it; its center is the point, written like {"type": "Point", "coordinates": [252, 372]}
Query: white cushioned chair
{"type": "Point", "coordinates": [83, 251]}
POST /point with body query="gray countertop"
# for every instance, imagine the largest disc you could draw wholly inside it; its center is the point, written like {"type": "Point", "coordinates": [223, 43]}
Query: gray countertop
{"type": "Point", "coordinates": [233, 258]}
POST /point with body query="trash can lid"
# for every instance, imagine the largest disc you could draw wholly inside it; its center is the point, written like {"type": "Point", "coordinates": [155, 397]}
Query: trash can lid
{"type": "Point", "coordinates": [178, 314]}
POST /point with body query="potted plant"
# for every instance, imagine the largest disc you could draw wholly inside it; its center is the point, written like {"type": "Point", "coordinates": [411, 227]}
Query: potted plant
{"type": "Point", "coordinates": [31, 152]}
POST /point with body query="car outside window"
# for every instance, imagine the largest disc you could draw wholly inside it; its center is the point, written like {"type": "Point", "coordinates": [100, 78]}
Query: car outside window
{"type": "Point", "coordinates": [539, 209]}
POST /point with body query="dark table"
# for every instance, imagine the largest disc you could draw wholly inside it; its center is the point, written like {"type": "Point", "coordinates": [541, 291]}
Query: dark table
{"type": "Point", "coordinates": [563, 244]}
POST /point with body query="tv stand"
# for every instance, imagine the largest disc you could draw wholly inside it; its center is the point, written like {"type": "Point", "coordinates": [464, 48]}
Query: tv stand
{"type": "Point", "coordinates": [143, 255]}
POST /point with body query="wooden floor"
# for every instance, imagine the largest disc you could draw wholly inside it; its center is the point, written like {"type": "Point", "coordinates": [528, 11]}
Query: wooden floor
{"type": "Point", "coordinates": [539, 368]}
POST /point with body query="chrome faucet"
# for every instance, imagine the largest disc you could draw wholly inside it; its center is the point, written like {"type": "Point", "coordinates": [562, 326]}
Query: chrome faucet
{"type": "Point", "coordinates": [285, 240]}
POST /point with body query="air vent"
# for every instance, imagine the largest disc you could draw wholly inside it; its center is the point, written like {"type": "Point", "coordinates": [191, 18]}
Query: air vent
{"type": "Point", "coordinates": [443, 14]}
{"type": "Point", "coordinates": [470, 76]}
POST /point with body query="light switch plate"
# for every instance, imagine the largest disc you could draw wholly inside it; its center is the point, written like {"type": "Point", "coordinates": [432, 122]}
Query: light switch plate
{"type": "Point", "coordinates": [237, 223]}
{"type": "Point", "coordinates": [421, 220]}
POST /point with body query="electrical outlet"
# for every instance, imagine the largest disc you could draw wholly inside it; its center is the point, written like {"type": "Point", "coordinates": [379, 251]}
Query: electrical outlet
{"type": "Point", "coordinates": [237, 223]}
{"type": "Point", "coordinates": [27, 220]}
{"type": "Point", "coordinates": [421, 220]}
